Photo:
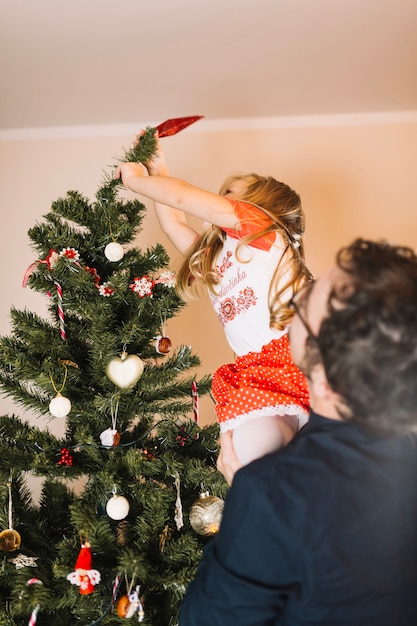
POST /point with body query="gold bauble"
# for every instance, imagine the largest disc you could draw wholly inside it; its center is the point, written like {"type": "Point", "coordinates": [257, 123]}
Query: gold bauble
{"type": "Point", "coordinates": [206, 514]}
{"type": "Point", "coordinates": [10, 540]}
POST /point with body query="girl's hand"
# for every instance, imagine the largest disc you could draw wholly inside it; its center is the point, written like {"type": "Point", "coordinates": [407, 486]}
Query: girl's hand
{"type": "Point", "coordinates": [156, 165]}
{"type": "Point", "coordinates": [126, 171]}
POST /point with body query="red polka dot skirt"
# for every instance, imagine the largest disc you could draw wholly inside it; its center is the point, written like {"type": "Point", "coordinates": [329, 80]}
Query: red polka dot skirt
{"type": "Point", "coordinates": [260, 383]}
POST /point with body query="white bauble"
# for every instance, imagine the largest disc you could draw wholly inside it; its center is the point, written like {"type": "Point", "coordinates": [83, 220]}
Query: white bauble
{"type": "Point", "coordinates": [125, 371]}
{"type": "Point", "coordinates": [114, 251]}
{"type": "Point", "coordinates": [117, 507]}
{"type": "Point", "coordinates": [60, 406]}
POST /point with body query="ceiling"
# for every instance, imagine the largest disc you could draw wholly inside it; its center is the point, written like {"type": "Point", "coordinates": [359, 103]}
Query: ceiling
{"type": "Point", "coordinates": [99, 62]}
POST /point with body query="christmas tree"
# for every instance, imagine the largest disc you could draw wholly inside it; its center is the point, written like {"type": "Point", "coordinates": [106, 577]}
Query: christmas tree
{"type": "Point", "coordinates": [127, 542]}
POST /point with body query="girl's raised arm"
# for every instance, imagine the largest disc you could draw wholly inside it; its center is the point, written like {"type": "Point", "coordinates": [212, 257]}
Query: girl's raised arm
{"type": "Point", "coordinates": [173, 199]}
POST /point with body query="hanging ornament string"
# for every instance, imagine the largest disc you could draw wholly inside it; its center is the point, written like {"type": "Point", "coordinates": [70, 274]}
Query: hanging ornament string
{"type": "Point", "coordinates": [114, 411]}
{"type": "Point", "coordinates": [61, 406]}
{"type": "Point", "coordinates": [113, 251]}
{"type": "Point", "coordinates": [163, 324]}
{"type": "Point", "coordinates": [9, 487]}
{"type": "Point", "coordinates": [110, 437]}
{"type": "Point", "coordinates": [163, 344]}
{"type": "Point", "coordinates": [59, 391]}
{"type": "Point", "coordinates": [129, 586]}
{"type": "Point", "coordinates": [61, 316]}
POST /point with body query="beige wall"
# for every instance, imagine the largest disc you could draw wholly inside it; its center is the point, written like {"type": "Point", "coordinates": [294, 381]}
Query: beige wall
{"type": "Point", "coordinates": [355, 179]}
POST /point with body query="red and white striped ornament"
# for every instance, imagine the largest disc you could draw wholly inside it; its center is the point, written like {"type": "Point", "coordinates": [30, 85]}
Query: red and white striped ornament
{"type": "Point", "coordinates": [194, 393]}
{"type": "Point", "coordinates": [61, 312]}
{"type": "Point", "coordinates": [34, 615]}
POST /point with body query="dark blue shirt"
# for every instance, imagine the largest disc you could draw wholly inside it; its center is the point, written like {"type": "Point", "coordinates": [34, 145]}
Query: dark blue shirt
{"type": "Point", "coordinates": [322, 532]}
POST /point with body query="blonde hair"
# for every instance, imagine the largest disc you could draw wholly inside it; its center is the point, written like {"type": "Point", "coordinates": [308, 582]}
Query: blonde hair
{"type": "Point", "coordinates": [283, 206]}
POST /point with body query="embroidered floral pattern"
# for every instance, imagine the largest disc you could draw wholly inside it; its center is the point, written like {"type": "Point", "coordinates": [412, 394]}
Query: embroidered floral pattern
{"type": "Point", "coordinates": [246, 299]}
{"type": "Point", "coordinates": [227, 310]}
{"type": "Point", "coordinates": [232, 306]}
{"type": "Point", "coordinates": [225, 264]}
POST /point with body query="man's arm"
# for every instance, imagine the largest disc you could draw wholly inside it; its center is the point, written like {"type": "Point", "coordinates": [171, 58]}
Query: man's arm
{"type": "Point", "coordinates": [245, 574]}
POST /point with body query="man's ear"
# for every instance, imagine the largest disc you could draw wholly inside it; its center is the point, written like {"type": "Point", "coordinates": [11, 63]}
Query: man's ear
{"type": "Point", "coordinates": [320, 386]}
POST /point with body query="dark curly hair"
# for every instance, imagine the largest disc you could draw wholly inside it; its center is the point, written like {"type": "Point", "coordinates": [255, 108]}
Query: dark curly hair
{"type": "Point", "coordinates": [368, 344]}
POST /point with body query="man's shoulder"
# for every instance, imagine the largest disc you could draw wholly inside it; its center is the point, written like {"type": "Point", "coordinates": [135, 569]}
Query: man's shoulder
{"type": "Point", "coordinates": [319, 446]}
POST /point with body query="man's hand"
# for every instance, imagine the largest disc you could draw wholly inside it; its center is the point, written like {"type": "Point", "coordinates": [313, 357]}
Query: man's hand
{"type": "Point", "coordinates": [227, 461]}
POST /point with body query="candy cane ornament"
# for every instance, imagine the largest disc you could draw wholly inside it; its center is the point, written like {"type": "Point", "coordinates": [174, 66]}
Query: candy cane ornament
{"type": "Point", "coordinates": [34, 617]}
{"type": "Point", "coordinates": [61, 312]}
{"type": "Point", "coordinates": [116, 585]}
{"type": "Point", "coordinates": [194, 393]}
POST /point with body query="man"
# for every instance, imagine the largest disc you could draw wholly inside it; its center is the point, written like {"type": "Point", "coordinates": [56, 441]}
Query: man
{"type": "Point", "coordinates": [324, 531]}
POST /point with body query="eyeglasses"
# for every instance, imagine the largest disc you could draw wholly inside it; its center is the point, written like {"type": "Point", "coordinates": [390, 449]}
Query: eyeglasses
{"type": "Point", "coordinates": [294, 304]}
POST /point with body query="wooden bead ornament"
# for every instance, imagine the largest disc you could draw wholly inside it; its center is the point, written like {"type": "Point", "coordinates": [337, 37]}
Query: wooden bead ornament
{"type": "Point", "coordinates": [163, 344]}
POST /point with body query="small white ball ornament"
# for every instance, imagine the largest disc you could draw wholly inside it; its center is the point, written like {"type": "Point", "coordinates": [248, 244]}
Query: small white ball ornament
{"type": "Point", "coordinates": [59, 406]}
{"type": "Point", "coordinates": [114, 251]}
{"type": "Point", "coordinates": [117, 507]}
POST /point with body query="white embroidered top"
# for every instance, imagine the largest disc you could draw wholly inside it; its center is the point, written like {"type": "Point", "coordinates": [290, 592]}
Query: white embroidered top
{"type": "Point", "coordinates": [245, 275]}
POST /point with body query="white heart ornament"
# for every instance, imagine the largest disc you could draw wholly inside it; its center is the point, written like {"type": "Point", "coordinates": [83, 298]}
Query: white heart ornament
{"type": "Point", "coordinates": [125, 371]}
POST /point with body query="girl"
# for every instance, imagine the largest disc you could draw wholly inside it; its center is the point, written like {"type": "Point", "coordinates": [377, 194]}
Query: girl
{"type": "Point", "coordinates": [251, 258]}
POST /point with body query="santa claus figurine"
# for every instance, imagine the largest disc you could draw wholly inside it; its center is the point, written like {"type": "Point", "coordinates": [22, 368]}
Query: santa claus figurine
{"type": "Point", "coordinates": [85, 577]}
